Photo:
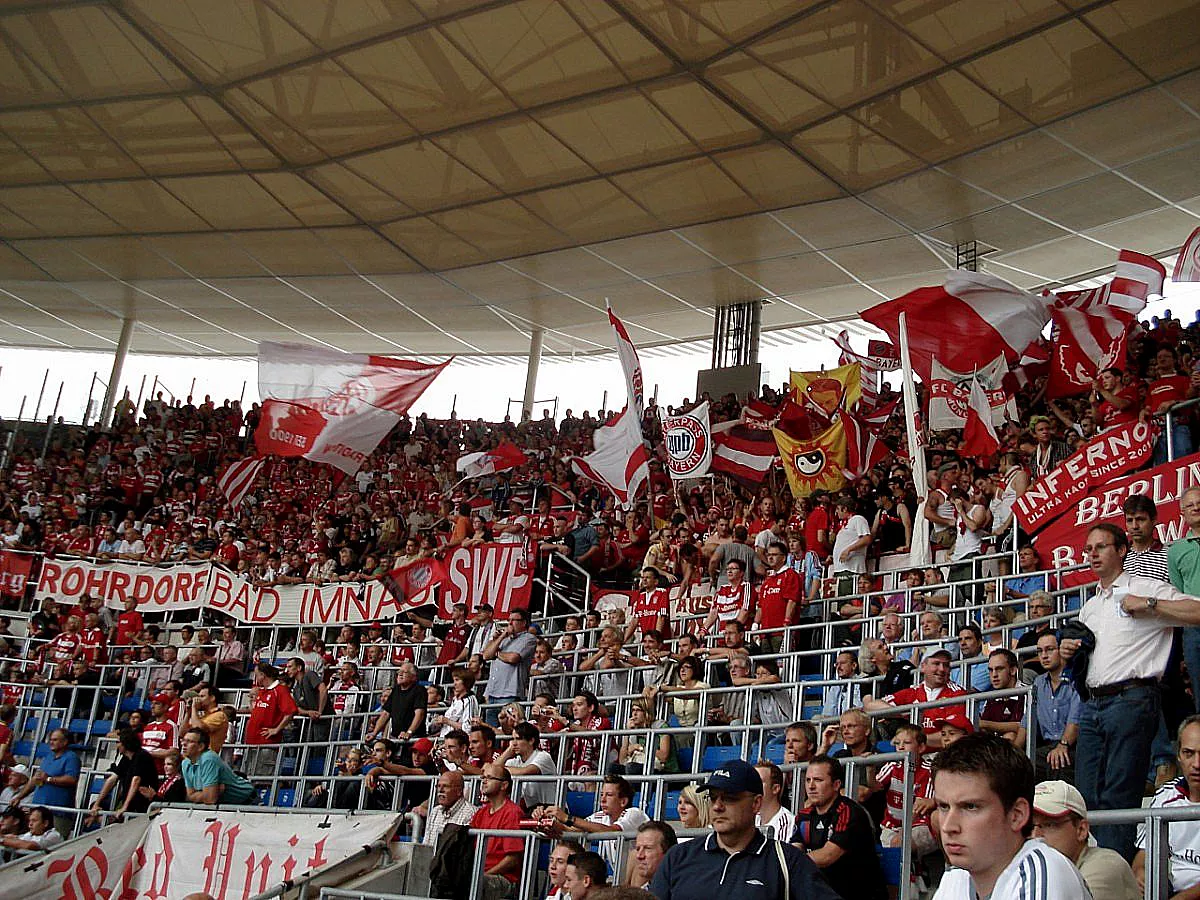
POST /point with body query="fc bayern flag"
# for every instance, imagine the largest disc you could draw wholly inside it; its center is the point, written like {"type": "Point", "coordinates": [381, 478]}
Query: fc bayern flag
{"type": "Point", "coordinates": [965, 322]}
{"type": "Point", "coordinates": [688, 438]}
{"type": "Point", "coordinates": [333, 407]}
{"type": "Point", "coordinates": [413, 583]}
{"type": "Point", "coordinates": [1086, 341]}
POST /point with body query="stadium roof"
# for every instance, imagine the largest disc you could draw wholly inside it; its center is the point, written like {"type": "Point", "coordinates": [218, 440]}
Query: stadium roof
{"type": "Point", "coordinates": [439, 176]}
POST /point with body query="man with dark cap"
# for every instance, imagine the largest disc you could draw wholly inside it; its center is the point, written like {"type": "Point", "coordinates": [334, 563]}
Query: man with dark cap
{"type": "Point", "coordinates": [736, 859]}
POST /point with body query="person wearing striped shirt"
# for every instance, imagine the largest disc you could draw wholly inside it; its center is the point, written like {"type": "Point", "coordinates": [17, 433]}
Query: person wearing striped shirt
{"type": "Point", "coordinates": [1147, 556]}
{"type": "Point", "coordinates": [983, 788]}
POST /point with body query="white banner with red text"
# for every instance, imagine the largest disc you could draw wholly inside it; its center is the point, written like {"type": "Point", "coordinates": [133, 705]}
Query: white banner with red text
{"type": "Point", "coordinates": [1061, 543]}
{"type": "Point", "coordinates": [499, 574]}
{"type": "Point", "coordinates": [226, 854]}
{"type": "Point", "coordinates": [1105, 456]}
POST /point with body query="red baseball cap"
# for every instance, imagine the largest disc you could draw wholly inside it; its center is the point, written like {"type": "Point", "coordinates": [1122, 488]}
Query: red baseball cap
{"type": "Point", "coordinates": [956, 720]}
{"type": "Point", "coordinates": [423, 745]}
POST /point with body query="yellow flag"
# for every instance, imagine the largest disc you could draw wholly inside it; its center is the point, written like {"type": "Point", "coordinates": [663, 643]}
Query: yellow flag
{"type": "Point", "coordinates": [815, 464]}
{"type": "Point", "coordinates": [834, 389]}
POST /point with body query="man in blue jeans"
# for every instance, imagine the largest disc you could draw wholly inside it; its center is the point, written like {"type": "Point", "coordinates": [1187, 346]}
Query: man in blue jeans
{"type": "Point", "coordinates": [1132, 618]}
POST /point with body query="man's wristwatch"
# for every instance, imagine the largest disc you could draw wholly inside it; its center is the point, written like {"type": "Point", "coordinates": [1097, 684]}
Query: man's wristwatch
{"type": "Point", "coordinates": [1151, 603]}
{"type": "Point", "coordinates": [570, 821]}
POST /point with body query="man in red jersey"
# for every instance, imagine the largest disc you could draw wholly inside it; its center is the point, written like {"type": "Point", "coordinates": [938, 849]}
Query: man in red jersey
{"type": "Point", "coordinates": [779, 597]}
{"type": "Point", "coordinates": [651, 609]}
{"type": "Point", "coordinates": [271, 711]}
{"type": "Point", "coordinates": [935, 685]}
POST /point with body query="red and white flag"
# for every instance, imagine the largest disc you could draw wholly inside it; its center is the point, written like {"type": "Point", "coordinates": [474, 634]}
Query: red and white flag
{"type": "Point", "coordinates": [979, 437]}
{"type": "Point", "coordinates": [949, 394]}
{"type": "Point", "coordinates": [1187, 264]}
{"type": "Point", "coordinates": [879, 415]}
{"type": "Point", "coordinates": [1135, 277]}
{"type": "Point", "coordinates": [488, 462]}
{"type": "Point", "coordinates": [864, 449]}
{"type": "Point", "coordinates": [235, 482]}
{"type": "Point", "coordinates": [630, 365]}
{"type": "Point", "coordinates": [620, 461]}
{"type": "Point", "coordinates": [880, 357]}
{"type": "Point", "coordinates": [760, 414]}
{"type": "Point", "coordinates": [1084, 342]}
{"type": "Point", "coordinates": [743, 452]}
{"type": "Point", "coordinates": [965, 322]}
{"type": "Point", "coordinates": [333, 407]}
{"type": "Point", "coordinates": [414, 582]}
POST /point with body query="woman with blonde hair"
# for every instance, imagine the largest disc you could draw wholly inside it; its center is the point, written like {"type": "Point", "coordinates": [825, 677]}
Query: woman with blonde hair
{"type": "Point", "coordinates": [693, 808]}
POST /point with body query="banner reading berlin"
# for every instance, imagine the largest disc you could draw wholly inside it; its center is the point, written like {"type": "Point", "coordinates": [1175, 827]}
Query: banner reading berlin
{"type": "Point", "coordinates": [1111, 453]}
{"type": "Point", "coordinates": [1061, 542]}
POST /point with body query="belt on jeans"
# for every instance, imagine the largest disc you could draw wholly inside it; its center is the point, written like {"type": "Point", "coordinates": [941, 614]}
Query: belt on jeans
{"type": "Point", "coordinates": [1119, 687]}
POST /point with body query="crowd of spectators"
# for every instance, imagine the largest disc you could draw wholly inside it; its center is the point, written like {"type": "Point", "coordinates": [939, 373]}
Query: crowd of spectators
{"type": "Point", "coordinates": [496, 700]}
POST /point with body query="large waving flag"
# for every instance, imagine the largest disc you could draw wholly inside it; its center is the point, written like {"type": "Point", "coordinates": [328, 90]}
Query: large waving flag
{"type": "Point", "coordinates": [979, 437]}
{"type": "Point", "coordinates": [864, 449]}
{"type": "Point", "coordinates": [828, 391]}
{"type": "Point", "coordinates": [817, 464]}
{"type": "Point", "coordinates": [965, 322]}
{"type": "Point", "coordinates": [488, 462]}
{"type": "Point", "coordinates": [1086, 341]}
{"type": "Point", "coordinates": [630, 365]}
{"type": "Point", "coordinates": [333, 407]}
{"type": "Point", "coordinates": [949, 394]}
{"type": "Point", "coordinates": [1187, 264]}
{"type": "Point", "coordinates": [235, 482]}
{"type": "Point", "coordinates": [1135, 277]}
{"type": "Point", "coordinates": [880, 357]}
{"type": "Point", "coordinates": [688, 438]}
{"type": "Point", "coordinates": [620, 461]}
{"type": "Point", "coordinates": [743, 452]}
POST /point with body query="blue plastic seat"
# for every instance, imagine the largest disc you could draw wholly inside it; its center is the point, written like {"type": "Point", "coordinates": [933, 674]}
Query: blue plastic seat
{"type": "Point", "coordinates": [22, 748]}
{"type": "Point", "coordinates": [714, 757]}
{"type": "Point", "coordinates": [581, 803]}
{"type": "Point", "coordinates": [775, 752]}
{"type": "Point", "coordinates": [91, 729]}
{"type": "Point", "coordinates": [671, 807]}
{"type": "Point", "coordinates": [285, 797]}
{"type": "Point", "coordinates": [685, 755]}
{"type": "Point", "coordinates": [889, 859]}
{"type": "Point", "coordinates": [885, 747]}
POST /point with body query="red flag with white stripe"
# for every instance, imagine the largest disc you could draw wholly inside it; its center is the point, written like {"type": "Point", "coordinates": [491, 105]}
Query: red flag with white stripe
{"type": "Point", "coordinates": [743, 452]}
{"type": "Point", "coordinates": [1084, 343]}
{"type": "Point", "coordinates": [965, 322]}
{"type": "Point", "coordinates": [1135, 277]}
{"type": "Point", "coordinates": [630, 365]}
{"type": "Point", "coordinates": [864, 449]}
{"type": "Point", "coordinates": [237, 480]}
{"type": "Point", "coordinates": [620, 461]}
{"type": "Point", "coordinates": [1187, 264]}
{"type": "Point", "coordinates": [488, 462]}
{"type": "Point", "coordinates": [979, 439]}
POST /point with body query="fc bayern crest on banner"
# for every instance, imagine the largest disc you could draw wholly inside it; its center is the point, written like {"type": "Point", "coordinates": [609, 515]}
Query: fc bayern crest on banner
{"type": "Point", "coordinates": [689, 443]}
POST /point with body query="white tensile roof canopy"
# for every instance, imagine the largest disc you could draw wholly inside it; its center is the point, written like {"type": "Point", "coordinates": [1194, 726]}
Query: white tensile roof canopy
{"type": "Point", "coordinates": [443, 176]}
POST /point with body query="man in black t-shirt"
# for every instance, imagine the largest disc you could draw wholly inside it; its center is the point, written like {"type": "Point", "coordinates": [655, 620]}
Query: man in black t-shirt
{"type": "Point", "coordinates": [404, 709]}
{"type": "Point", "coordinates": [837, 834]}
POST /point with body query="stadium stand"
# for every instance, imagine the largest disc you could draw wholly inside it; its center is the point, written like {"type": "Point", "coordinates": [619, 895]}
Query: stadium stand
{"type": "Point", "coordinates": [293, 716]}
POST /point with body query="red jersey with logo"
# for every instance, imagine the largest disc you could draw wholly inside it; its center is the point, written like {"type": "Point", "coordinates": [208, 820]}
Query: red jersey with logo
{"type": "Point", "coordinates": [648, 606]}
{"type": "Point", "coordinates": [63, 648]}
{"type": "Point", "coordinates": [891, 778]}
{"type": "Point", "coordinates": [129, 625]}
{"type": "Point", "coordinates": [730, 602]}
{"type": "Point", "coordinates": [93, 647]}
{"type": "Point", "coordinates": [929, 715]}
{"type": "Point", "coordinates": [270, 707]}
{"type": "Point", "coordinates": [159, 736]}
{"type": "Point", "coordinates": [777, 590]}
{"type": "Point", "coordinates": [453, 643]}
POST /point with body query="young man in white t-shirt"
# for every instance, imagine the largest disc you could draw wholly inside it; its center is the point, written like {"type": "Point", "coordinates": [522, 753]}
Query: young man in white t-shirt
{"type": "Point", "coordinates": [774, 819]}
{"type": "Point", "coordinates": [522, 757]}
{"type": "Point", "coordinates": [983, 787]}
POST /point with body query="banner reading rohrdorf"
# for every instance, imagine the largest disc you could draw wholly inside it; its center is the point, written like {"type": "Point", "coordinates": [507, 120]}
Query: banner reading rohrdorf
{"type": "Point", "coordinates": [1112, 453]}
{"type": "Point", "coordinates": [489, 573]}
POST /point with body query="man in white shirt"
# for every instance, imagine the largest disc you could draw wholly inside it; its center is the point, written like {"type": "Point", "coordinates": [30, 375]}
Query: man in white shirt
{"type": "Point", "coordinates": [1132, 618]}
{"type": "Point", "coordinates": [522, 757]}
{"type": "Point", "coordinates": [983, 787]}
{"type": "Point", "coordinates": [850, 547]}
{"type": "Point", "coordinates": [774, 819]}
{"type": "Point", "coordinates": [616, 814]}
{"type": "Point", "coordinates": [1183, 837]}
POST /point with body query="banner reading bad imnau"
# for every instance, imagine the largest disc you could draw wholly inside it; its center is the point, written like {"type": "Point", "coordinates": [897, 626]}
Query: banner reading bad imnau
{"type": "Point", "coordinates": [499, 574]}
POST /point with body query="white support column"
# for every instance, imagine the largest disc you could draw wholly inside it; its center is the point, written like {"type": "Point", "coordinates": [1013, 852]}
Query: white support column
{"type": "Point", "coordinates": [531, 373]}
{"type": "Point", "coordinates": [114, 378]}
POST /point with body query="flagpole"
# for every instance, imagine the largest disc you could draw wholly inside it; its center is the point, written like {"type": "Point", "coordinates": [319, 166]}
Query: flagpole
{"type": "Point", "coordinates": [919, 554]}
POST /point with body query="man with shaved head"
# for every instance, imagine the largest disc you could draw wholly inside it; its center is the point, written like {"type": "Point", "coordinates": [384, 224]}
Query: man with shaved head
{"type": "Point", "coordinates": [451, 808]}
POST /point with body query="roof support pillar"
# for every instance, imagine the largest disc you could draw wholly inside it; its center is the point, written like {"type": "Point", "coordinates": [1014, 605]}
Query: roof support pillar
{"type": "Point", "coordinates": [114, 378]}
{"type": "Point", "coordinates": [531, 371]}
